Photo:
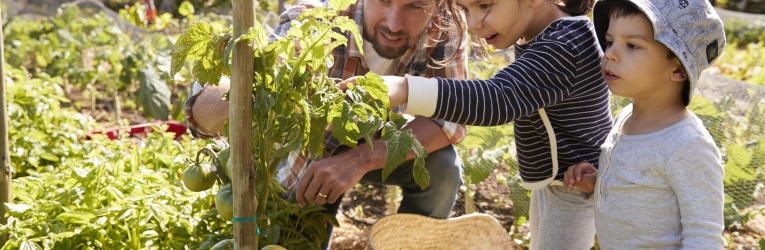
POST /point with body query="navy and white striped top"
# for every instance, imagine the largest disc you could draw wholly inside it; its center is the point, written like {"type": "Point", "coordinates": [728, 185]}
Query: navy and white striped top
{"type": "Point", "coordinates": [559, 70]}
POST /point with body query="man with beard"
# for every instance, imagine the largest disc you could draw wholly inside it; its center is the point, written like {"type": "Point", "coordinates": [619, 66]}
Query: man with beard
{"type": "Point", "coordinates": [400, 37]}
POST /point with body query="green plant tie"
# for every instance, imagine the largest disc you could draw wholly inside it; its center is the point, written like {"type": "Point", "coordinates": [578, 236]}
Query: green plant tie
{"type": "Point", "coordinates": [248, 219]}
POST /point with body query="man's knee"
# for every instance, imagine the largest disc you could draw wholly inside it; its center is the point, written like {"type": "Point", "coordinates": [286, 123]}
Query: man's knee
{"type": "Point", "coordinates": [444, 165]}
{"type": "Point", "coordinates": [444, 159]}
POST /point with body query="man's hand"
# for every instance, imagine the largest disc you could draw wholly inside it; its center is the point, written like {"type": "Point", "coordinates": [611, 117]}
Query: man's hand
{"type": "Point", "coordinates": [398, 88]}
{"type": "Point", "coordinates": [325, 180]}
{"type": "Point", "coordinates": [581, 176]}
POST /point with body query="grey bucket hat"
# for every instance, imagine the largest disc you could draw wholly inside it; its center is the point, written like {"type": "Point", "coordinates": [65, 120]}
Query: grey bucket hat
{"type": "Point", "coordinates": [691, 29]}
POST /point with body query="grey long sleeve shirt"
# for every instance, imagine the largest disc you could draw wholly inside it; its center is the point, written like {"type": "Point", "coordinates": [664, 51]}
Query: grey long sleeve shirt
{"type": "Point", "coordinates": [662, 190]}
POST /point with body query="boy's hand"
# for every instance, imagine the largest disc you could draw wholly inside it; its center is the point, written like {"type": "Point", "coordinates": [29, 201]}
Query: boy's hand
{"type": "Point", "coordinates": [581, 176]}
{"type": "Point", "coordinates": [398, 88]}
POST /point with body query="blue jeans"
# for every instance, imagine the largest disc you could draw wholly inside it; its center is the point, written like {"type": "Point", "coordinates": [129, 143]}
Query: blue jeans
{"type": "Point", "coordinates": [437, 200]}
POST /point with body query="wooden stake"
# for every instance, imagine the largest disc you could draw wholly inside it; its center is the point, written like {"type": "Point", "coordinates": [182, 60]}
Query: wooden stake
{"type": "Point", "coordinates": [6, 170]}
{"type": "Point", "coordinates": [240, 129]}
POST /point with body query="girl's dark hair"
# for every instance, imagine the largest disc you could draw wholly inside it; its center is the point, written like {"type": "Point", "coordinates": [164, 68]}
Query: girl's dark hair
{"type": "Point", "coordinates": [576, 7]}
{"type": "Point", "coordinates": [571, 7]}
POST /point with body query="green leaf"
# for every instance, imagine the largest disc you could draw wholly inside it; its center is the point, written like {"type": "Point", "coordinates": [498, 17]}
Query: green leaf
{"type": "Point", "coordinates": [421, 175]}
{"type": "Point", "coordinates": [273, 233]}
{"type": "Point", "coordinates": [186, 8]}
{"type": "Point", "coordinates": [17, 210]}
{"type": "Point", "coordinates": [316, 139]}
{"type": "Point", "coordinates": [397, 147]}
{"type": "Point", "coordinates": [397, 120]}
{"type": "Point", "coordinates": [76, 217]}
{"type": "Point", "coordinates": [344, 127]}
{"type": "Point", "coordinates": [289, 147]}
{"type": "Point", "coordinates": [479, 166]}
{"type": "Point", "coordinates": [50, 157]}
{"type": "Point", "coordinates": [375, 86]}
{"type": "Point", "coordinates": [160, 214]}
{"type": "Point", "coordinates": [339, 5]}
{"type": "Point", "coordinates": [190, 44]}
{"type": "Point", "coordinates": [29, 245]}
{"type": "Point", "coordinates": [153, 95]}
{"type": "Point", "coordinates": [346, 24]}
{"type": "Point", "coordinates": [64, 235]}
{"type": "Point", "coordinates": [265, 100]}
{"type": "Point", "coordinates": [255, 36]}
{"type": "Point", "coordinates": [210, 67]}
{"type": "Point", "coordinates": [360, 110]}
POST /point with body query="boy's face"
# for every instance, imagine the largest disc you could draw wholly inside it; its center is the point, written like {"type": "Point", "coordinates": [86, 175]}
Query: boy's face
{"type": "Point", "coordinates": [635, 65]}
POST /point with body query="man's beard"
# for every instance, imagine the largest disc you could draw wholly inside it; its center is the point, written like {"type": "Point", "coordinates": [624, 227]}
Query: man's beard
{"type": "Point", "coordinates": [372, 35]}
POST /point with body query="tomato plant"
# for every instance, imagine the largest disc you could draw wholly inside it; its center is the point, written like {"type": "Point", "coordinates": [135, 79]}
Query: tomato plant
{"type": "Point", "coordinates": [294, 103]}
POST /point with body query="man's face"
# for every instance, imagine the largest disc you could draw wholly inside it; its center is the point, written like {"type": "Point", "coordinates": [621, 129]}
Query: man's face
{"type": "Point", "coordinates": [635, 65]}
{"type": "Point", "coordinates": [395, 26]}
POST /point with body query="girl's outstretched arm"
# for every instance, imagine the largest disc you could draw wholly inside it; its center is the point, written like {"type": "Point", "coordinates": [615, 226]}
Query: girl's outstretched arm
{"type": "Point", "coordinates": [543, 76]}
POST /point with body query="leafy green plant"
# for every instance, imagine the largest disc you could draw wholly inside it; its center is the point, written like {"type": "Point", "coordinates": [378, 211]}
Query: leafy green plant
{"type": "Point", "coordinates": [294, 103]}
{"type": "Point", "coordinates": [41, 133]}
{"type": "Point", "coordinates": [744, 62]}
{"type": "Point", "coordinates": [744, 31]}
{"type": "Point", "coordinates": [482, 152]}
{"type": "Point", "coordinates": [72, 193]}
{"type": "Point", "coordinates": [94, 54]}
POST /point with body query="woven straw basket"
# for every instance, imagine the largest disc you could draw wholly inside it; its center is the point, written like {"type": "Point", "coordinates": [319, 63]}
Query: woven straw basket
{"type": "Point", "coordinates": [411, 231]}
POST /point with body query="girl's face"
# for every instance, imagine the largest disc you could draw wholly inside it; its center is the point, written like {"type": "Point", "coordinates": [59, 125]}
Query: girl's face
{"type": "Point", "coordinates": [500, 22]}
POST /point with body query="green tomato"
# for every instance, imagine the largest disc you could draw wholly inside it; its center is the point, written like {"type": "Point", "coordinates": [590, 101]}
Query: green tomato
{"type": "Point", "coordinates": [229, 169]}
{"type": "Point", "coordinates": [273, 247]}
{"type": "Point", "coordinates": [223, 156]}
{"type": "Point", "coordinates": [224, 202]}
{"type": "Point", "coordinates": [224, 245]}
{"type": "Point", "coordinates": [199, 177]}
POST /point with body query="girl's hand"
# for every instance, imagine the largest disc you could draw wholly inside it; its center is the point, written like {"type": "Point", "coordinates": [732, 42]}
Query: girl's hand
{"type": "Point", "coordinates": [398, 88]}
{"type": "Point", "coordinates": [581, 176]}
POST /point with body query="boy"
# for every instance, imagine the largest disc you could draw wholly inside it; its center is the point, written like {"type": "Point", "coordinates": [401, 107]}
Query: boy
{"type": "Point", "coordinates": [660, 179]}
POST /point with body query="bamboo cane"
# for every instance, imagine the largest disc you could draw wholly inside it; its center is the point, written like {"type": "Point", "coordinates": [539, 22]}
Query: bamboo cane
{"type": "Point", "coordinates": [6, 170]}
{"type": "Point", "coordinates": [240, 128]}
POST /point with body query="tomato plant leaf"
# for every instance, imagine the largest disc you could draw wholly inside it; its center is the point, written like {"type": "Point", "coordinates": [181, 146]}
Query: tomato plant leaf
{"type": "Point", "coordinates": [189, 44]}
{"type": "Point", "coordinates": [346, 24]}
{"type": "Point", "coordinates": [344, 127]}
{"type": "Point", "coordinates": [397, 147]}
{"type": "Point", "coordinates": [289, 147]}
{"type": "Point", "coordinates": [421, 175]}
{"type": "Point", "coordinates": [375, 86]}
{"type": "Point", "coordinates": [339, 5]}
{"type": "Point", "coordinates": [186, 8]}
{"type": "Point", "coordinates": [265, 100]}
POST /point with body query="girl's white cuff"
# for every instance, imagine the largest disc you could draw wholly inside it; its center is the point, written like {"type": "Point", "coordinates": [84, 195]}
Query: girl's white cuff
{"type": "Point", "coordinates": [423, 95]}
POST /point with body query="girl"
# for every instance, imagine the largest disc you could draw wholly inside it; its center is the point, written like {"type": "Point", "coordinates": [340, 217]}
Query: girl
{"type": "Point", "coordinates": [554, 93]}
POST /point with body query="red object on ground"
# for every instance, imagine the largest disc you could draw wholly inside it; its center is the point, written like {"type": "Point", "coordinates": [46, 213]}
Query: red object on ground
{"type": "Point", "coordinates": [140, 130]}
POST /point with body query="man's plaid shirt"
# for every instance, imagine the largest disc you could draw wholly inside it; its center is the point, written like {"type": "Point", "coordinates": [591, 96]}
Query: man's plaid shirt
{"type": "Point", "coordinates": [348, 62]}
